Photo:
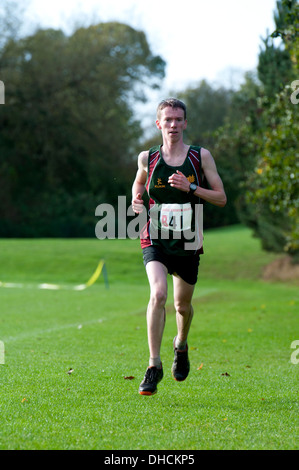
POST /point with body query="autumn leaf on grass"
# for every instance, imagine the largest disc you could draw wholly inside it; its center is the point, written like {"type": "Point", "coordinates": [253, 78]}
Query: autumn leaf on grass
{"type": "Point", "coordinates": [200, 367]}
{"type": "Point", "coordinates": [129, 377]}
{"type": "Point", "coordinates": [226, 374]}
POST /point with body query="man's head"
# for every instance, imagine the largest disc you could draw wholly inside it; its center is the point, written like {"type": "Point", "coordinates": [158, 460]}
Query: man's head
{"type": "Point", "coordinates": [173, 103]}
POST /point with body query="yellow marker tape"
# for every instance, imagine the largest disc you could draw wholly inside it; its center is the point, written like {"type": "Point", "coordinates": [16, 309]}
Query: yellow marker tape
{"type": "Point", "coordinates": [96, 274]}
{"type": "Point", "coordinates": [89, 283]}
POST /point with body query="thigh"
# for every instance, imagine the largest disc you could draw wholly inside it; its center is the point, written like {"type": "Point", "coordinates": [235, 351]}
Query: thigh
{"type": "Point", "coordinates": [157, 276]}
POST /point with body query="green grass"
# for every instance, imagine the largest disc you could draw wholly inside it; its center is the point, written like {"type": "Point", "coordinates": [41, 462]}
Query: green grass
{"type": "Point", "coordinates": [244, 396]}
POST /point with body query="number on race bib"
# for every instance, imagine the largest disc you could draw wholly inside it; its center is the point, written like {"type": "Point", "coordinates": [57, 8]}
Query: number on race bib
{"type": "Point", "coordinates": [176, 217]}
{"type": "Point", "coordinates": [164, 221]}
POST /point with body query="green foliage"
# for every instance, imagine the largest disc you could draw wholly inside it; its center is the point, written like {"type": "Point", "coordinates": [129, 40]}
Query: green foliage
{"type": "Point", "coordinates": [11, 13]}
{"type": "Point", "coordinates": [68, 128]}
{"type": "Point", "coordinates": [274, 68]}
{"type": "Point", "coordinates": [207, 107]}
{"type": "Point", "coordinates": [273, 187]}
{"type": "Point", "coordinates": [275, 62]}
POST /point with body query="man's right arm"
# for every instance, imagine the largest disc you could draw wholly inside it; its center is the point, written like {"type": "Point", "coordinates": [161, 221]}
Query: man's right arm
{"type": "Point", "coordinates": [139, 182]}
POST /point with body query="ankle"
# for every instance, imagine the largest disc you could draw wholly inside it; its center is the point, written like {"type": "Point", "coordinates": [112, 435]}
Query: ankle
{"type": "Point", "coordinates": [155, 362]}
{"type": "Point", "coordinates": [179, 344]}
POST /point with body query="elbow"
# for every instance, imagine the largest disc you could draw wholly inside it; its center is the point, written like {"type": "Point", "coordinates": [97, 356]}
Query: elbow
{"type": "Point", "coordinates": [223, 201]}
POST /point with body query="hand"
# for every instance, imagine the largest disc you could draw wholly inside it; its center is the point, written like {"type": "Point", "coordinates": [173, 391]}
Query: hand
{"type": "Point", "coordinates": [178, 180]}
{"type": "Point", "coordinates": [137, 204]}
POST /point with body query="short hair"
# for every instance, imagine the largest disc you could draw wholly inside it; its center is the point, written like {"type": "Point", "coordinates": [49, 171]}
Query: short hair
{"type": "Point", "coordinates": [173, 103]}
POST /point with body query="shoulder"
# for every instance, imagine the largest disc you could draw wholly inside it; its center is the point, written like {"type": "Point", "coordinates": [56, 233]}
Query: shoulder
{"type": "Point", "coordinates": [205, 154]}
{"type": "Point", "coordinates": [143, 159]}
{"type": "Point", "coordinates": [206, 158]}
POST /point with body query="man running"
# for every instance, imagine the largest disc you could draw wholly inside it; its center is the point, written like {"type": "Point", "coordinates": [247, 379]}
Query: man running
{"type": "Point", "coordinates": [173, 175]}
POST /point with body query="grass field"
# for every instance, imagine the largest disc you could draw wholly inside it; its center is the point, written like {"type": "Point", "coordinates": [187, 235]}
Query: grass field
{"type": "Point", "coordinates": [67, 353]}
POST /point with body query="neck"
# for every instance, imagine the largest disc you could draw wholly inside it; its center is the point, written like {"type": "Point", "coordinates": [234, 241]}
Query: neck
{"type": "Point", "coordinates": [174, 148]}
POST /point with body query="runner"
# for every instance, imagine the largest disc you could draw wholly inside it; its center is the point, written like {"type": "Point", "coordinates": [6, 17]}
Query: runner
{"type": "Point", "coordinates": [173, 175]}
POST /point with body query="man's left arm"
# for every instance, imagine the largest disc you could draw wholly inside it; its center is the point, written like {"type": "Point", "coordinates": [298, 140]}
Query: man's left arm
{"type": "Point", "coordinates": [216, 195]}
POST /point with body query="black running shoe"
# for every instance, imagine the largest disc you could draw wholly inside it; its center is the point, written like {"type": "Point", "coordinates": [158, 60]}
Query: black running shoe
{"type": "Point", "coordinates": [181, 365]}
{"type": "Point", "coordinates": [151, 379]}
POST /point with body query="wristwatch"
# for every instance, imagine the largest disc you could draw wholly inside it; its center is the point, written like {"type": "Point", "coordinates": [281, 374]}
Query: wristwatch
{"type": "Point", "coordinates": [192, 188]}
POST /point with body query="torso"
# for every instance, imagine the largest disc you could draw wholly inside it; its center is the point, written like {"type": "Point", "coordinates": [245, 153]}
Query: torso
{"type": "Point", "coordinates": [163, 197]}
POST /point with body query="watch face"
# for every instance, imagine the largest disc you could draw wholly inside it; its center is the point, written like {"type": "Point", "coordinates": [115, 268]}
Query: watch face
{"type": "Point", "coordinates": [193, 187]}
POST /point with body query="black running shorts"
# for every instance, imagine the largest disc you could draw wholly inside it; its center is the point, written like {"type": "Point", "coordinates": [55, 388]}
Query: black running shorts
{"type": "Point", "coordinates": [184, 266]}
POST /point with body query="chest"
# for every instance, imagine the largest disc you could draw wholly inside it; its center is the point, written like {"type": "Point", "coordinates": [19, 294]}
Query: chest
{"type": "Point", "coordinates": [160, 190]}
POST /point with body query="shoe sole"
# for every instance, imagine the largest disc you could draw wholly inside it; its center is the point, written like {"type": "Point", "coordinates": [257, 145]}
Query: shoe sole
{"type": "Point", "coordinates": [148, 394]}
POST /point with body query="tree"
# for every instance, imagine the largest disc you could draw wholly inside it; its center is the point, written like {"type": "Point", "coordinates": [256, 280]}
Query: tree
{"type": "Point", "coordinates": [275, 65]}
{"type": "Point", "coordinates": [68, 129]}
{"type": "Point", "coordinates": [11, 13]}
{"type": "Point", "coordinates": [207, 109]}
{"type": "Point", "coordinates": [273, 188]}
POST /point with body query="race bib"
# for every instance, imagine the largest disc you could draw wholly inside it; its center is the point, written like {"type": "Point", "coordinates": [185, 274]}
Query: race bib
{"type": "Point", "coordinates": [176, 217]}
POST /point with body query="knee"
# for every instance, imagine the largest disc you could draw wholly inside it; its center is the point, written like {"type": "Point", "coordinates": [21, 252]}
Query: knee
{"type": "Point", "coordinates": [159, 297]}
{"type": "Point", "coordinates": [183, 308]}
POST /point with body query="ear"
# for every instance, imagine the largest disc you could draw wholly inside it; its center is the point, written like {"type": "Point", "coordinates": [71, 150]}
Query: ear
{"type": "Point", "coordinates": [185, 124]}
{"type": "Point", "coordinates": [158, 124]}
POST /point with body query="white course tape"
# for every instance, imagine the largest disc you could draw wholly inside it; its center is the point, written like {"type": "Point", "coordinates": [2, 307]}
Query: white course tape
{"type": "Point", "coordinates": [46, 286]}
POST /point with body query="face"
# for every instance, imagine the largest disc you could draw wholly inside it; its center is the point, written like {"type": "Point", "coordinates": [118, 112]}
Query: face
{"type": "Point", "coordinates": [172, 123]}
